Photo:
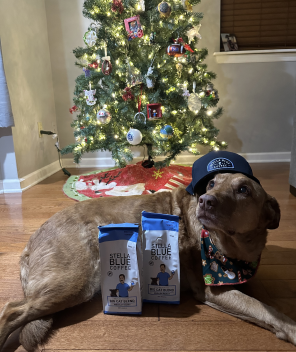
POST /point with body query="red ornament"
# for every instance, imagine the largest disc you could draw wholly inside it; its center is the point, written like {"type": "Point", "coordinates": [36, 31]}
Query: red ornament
{"type": "Point", "coordinates": [187, 47]}
{"type": "Point", "coordinates": [106, 67]}
{"type": "Point", "coordinates": [73, 109]}
{"type": "Point", "coordinates": [128, 94]}
{"type": "Point", "coordinates": [117, 6]}
{"type": "Point", "coordinates": [94, 65]}
{"type": "Point", "coordinates": [154, 111]}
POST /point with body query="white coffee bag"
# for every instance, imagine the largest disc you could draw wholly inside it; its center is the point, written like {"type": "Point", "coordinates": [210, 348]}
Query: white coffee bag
{"type": "Point", "coordinates": [161, 264]}
{"type": "Point", "coordinates": [121, 263]}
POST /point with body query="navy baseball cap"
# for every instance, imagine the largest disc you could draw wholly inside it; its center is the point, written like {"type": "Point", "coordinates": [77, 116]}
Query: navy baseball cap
{"type": "Point", "coordinates": [212, 163]}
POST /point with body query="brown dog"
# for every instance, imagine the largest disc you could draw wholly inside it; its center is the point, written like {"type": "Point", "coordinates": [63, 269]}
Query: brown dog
{"type": "Point", "coordinates": [235, 209]}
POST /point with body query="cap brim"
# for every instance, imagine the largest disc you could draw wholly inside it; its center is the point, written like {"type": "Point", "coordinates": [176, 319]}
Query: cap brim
{"type": "Point", "coordinates": [190, 189]}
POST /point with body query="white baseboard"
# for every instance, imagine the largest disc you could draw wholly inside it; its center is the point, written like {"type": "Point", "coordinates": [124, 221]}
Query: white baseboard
{"type": "Point", "coordinates": [277, 157]}
{"type": "Point", "coordinates": [181, 159]}
{"type": "Point", "coordinates": [12, 186]}
{"type": "Point", "coordinates": [21, 184]}
{"type": "Point", "coordinates": [39, 175]}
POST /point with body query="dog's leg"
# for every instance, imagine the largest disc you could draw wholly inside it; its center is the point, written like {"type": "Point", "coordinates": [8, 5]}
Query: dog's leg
{"type": "Point", "coordinates": [236, 303]}
{"type": "Point", "coordinates": [17, 314]}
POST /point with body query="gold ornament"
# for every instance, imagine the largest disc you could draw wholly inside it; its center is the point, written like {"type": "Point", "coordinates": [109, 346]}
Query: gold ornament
{"type": "Point", "coordinates": [188, 6]}
{"type": "Point", "coordinates": [179, 68]}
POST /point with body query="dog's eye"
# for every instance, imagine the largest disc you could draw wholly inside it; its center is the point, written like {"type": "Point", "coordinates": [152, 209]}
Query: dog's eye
{"type": "Point", "coordinates": [243, 189]}
{"type": "Point", "coordinates": [211, 184]}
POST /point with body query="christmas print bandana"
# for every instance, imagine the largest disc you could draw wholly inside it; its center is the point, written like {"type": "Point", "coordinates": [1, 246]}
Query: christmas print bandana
{"type": "Point", "coordinates": [219, 270]}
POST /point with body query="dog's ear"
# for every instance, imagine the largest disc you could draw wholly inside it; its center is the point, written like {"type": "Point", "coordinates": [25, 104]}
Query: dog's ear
{"type": "Point", "coordinates": [272, 213]}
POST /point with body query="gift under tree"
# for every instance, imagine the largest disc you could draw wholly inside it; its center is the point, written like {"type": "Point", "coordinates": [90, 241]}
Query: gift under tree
{"type": "Point", "coordinates": [143, 82]}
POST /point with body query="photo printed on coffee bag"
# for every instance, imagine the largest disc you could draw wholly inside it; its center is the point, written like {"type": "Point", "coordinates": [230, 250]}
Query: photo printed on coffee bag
{"type": "Point", "coordinates": [161, 265]}
{"type": "Point", "coordinates": [121, 262]}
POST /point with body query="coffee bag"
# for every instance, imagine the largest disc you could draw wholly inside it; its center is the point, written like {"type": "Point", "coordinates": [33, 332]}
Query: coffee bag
{"type": "Point", "coordinates": [121, 263]}
{"type": "Point", "coordinates": [161, 264]}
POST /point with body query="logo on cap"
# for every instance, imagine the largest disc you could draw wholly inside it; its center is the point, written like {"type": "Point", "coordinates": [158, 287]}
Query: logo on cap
{"type": "Point", "coordinates": [220, 163]}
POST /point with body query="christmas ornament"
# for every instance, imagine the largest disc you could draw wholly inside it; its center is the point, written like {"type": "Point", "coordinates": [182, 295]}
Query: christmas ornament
{"type": "Point", "coordinates": [103, 116]}
{"type": "Point", "coordinates": [128, 94]}
{"type": "Point", "coordinates": [166, 132]}
{"type": "Point", "coordinates": [133, 27]}
{"type": "Point", "coordinates": [176, 50]}
{"type": "Point", "coordinates": [142, 5]}
{"type": "Point", "coordinates": [90, 37]}
{"type": "Point", "coordinates": [211, 93]}
{"type": "Point", "coordinates": [194, 102]}
{"type": "Point", "coordinates": [152, 38]}
{"type": "Point", "coordinates": [193, 32]}
{"type": "Point", "coordinates": [73, 109]}
{"type": "Point", "coordinates": [140, 117]}
{"type": "Point", "coordinates": [187, 6]}
{"type": "Point", "coordinates": [86, 72]}
{"type": "Point", "coordinates": [149, 81]}
{"type": "Point", "coordinates": [94, 65]}
{"type": "Point", "coordinates": [154, 111]}
{"type": "Point", "coordinates": [164, 9]}
{"type": "Point", "coordinates": [186, 92]}
{"type": "Point", "coordinates": [117, 6]}
{"type": "Point", "coordinates": [90, 99]}
{"type": "Point", "coordinates": [179, 68]}
{"type": "Point", "coordinates": [134, 136]}
{"type": "Point", "coordinates": [106, 67]}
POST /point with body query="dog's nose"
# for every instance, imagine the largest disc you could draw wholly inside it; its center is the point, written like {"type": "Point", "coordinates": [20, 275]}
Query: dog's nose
{"type": "Point", "coordinates": [207, 202]}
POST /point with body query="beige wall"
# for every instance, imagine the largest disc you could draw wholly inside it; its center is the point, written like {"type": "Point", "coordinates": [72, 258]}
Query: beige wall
{"type": "Point", "coordinates": [24, 37]}
{"type": "Point", "coordinates": [258, 98]}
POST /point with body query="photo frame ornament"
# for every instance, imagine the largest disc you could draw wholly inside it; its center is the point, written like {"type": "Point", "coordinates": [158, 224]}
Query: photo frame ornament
{"type": "Point", "coordinates": [133, 27]}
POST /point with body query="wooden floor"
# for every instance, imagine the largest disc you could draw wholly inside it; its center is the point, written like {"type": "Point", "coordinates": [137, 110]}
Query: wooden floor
{"type": "Point", "coordinates": [188, 327]}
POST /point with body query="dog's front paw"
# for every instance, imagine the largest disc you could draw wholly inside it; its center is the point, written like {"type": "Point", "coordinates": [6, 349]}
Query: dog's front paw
{"type": "Point", "coordinates": [289, 334]}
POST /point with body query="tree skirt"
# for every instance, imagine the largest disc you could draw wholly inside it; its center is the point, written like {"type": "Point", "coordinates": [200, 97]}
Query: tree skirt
{"type": "Point", "coordinates": [128, 181]}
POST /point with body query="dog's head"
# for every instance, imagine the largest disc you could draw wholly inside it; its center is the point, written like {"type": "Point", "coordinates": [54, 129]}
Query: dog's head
{"type": "Point", "coordinates": [235, 204]}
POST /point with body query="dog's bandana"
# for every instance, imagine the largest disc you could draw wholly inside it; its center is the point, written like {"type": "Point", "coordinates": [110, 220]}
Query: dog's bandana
{"type": "Point", "coordinates": [219, 270]}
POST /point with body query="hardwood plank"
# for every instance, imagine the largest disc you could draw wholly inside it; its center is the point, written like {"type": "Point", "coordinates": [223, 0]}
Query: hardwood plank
{"type": "Point", "coordinates": [186, 336]}
{"type": "Point", "coordinates": [191, 310]}
{"type": "Point", "coordinates": [280, 288]}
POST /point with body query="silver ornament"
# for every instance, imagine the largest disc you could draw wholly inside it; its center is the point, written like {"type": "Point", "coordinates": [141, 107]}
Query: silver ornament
{"type": "Point", "coordinates": [194, 102]}
{"type": "Point", "coordinates": [103, 116]}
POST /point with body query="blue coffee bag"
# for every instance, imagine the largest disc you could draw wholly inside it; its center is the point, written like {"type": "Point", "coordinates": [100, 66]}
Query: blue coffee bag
{"type": "Point", "coordinates": [161, 264]}
{"type": "Point", "coordinates": [121, 263]}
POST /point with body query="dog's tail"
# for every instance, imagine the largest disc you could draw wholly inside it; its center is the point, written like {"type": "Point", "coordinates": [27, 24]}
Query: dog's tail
{"type": "Point", "coordinates": [36, 333]}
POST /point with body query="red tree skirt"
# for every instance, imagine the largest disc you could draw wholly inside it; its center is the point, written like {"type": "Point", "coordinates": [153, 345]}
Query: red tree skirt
{"type": "Point", "coordinates": [132, 180]}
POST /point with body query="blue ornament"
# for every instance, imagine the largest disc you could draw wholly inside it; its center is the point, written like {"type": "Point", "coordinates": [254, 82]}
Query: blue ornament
{"type": "Point", "coordinates": [86, 72]}
{"type": "Point", "coordinates": [167, 132]}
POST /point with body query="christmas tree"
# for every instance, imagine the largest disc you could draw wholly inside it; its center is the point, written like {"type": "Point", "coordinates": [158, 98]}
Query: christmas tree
{"type": "Point", "coordinates": [144, 82]}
